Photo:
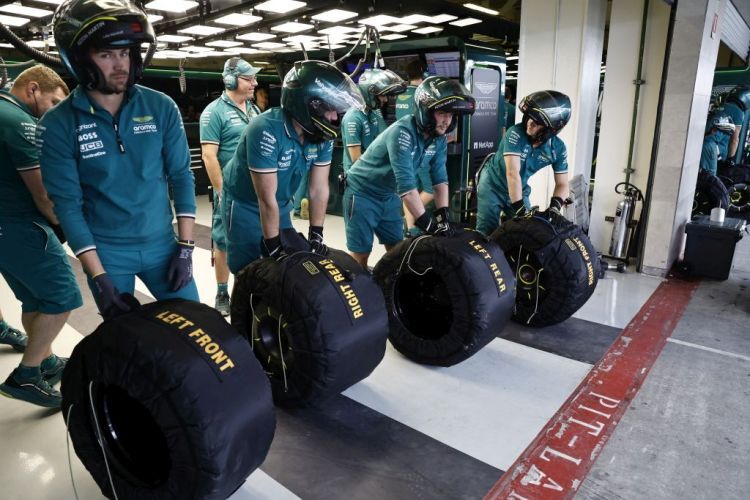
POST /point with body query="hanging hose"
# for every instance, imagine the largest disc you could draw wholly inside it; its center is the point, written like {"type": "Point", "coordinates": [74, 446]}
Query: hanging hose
{"type": "Point", "coordinates": [48, 59]}
{"type": "Point", "coordinates": [3, 73]}
{"type": "Point", "coordinates": [181, 78]}
{"type": "Point", "coordinates": [331, 56]}
{"type": "Point", "coordinates": [304, 52]}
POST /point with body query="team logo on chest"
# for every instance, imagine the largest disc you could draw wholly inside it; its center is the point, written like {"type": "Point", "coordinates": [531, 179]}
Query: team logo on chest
{"type": "Point", "coordinates": [144, 125]}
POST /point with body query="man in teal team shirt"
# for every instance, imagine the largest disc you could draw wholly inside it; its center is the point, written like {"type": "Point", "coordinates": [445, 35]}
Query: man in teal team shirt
{"type": "Point", "coordinates": [360, 127]}
{"type": "Point", "coordinates": [221, 125]}
{"type": "Point", "coordinates": [526, 148]}
{"type": "Point", "coordinates": [416, 73]}
{"type": "Point", "coordinates": [110, 152]}
{"type": "Point", "coordinates": [275, 152]}
{"type": "Point", "coordinates": [387, 172]}
{"type": "Point", "coordinates": [720, 128]}
{"type": "Point", "coordinates": [32, 259]}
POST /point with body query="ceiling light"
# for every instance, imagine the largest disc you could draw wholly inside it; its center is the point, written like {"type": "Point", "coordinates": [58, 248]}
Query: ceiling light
{"type": "Point", "coordinates": [37, 44]}
{"type": "Point", "coordinates": [442, 18]}
{"type": "Point", "coordinates": [53, 2]}
{"type": "Point", "coordinates": [301, 38]}
{"type": "Point", "coordinates": [269, 45]}
{"type": "Point", "coordinates": [466, 21]}
{"type": "Point", "coordinates": [292, 27]}
{"type": "Point", "coordinates": [173, 38]}
{"type": "Point", "coordinates": [153, 18]}
{"type": "Point", "coordinates": [15, 8]}
{"type": "Point", "coordinates": [256, 37]}
{"type": "Point", "coordinates": [379, 20]}
{"type": "Point", "coordinates": [170, 54]}
{"type": "Point", "coordinates": [334, 46]}
{"type": "Point", "coordinates": [172, 5]}
{"type": "Point", "coordinates": [243, 50]}
{"type": "Point", "coordinates": [414, 18]}
{"type": "Point", "coordinates": [280, 6]}
{"type": "Point", "coordinates": [511, 58]}
{"type": "Point", "coordinates": [223, 44]}
{"type": "Point", "coordinates": [393, 36]}
{"type": "Point", "coordinates": [511, 78]}
{"type": "Point", "coordinates": [339, 30]}
{"type": "Point", "coordinates": [334, 16]}
{"type": "Point", "coordinates": [238, 19]}
{"type": "Point", "coordinates": [479, 8]}
{"type": "Point", "coordinates": [398, 28]}
{"type": "Point", "coordinates": [6, 46]}
{"type": "Point", "coordinates": [202, 30]}
{"type": "Point", "coordinates": [428, 29]}
{"type": "Point", "coordinates": [195, 48]}
{"type": "Point", "coordinates": [13, 21]}
{"type": "Point", "coordinates": [261, 63]}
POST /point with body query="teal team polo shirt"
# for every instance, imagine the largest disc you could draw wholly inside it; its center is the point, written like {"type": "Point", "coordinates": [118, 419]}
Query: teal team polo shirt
{"type": "Point", "coordinates": [390, 163]}
{"type": "Point", "coordinates": [360, 129]}
{"type": "Point", "coordinates": [109, 176]}
{"type": "Point", "coordinates": [517, 143]}
{"type": "Point", "coordinates": [738, 117]}
{"type": "Point", "coordinates": [405, 102]}
{"type": "Point", "coordinates": [222, 123]}
{"type": "Point", "coordinates": [19, 153]}
{"type": "Point", "coordinates": [270, 144]}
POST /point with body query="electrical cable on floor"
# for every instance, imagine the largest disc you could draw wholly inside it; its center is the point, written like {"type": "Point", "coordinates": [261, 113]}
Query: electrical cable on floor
{"type": "Point", "coordinates": [67, 444]}
{"type": "Point", "coordinates": [99, 438]}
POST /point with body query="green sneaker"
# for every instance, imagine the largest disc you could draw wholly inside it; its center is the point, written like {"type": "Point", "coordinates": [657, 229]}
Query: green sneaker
{"type": "Point", "coordinates": [52, 369]}
{"type": "Point", "coordinates": [14, 338]}
{"type": "Point", "coordinates": [34, 390]}
{"type": "Point", "coordinates": [222, 303]}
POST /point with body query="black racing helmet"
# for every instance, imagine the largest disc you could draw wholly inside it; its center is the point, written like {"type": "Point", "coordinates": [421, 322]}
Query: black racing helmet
{"type": "Point", "coordinates": [740, 95]}
{"type": "Point", "coordinates": [310, 89]}
{"type": "Point", "coordinates": [549, 108]}
{"type": "Point", "coordinates": [375, 82]}
{"type": "Point", "coordinates": [79, 25]}
{"type": "Point", "coordinates": [438, 93]}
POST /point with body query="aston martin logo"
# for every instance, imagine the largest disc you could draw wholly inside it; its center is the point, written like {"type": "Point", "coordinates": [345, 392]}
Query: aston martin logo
{"type": "Point", "coordinates": [486, 87]}
{"type": "Point", "coordinates": [143, 119]}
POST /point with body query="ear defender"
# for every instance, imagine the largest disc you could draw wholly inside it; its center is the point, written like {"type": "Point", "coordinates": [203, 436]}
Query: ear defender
{"type": "Point", "coordinates": [230, 78]}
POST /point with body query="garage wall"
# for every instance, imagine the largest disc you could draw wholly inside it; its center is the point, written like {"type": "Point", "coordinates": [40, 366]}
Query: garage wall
{"type": "Point", "coordinates": [735, 32]}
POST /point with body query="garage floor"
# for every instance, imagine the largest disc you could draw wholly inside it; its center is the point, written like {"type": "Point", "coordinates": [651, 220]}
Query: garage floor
{"type": "Point", "coordinates": [410, 431]}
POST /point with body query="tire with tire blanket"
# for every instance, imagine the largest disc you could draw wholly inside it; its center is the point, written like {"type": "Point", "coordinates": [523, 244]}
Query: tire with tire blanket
{"type": "Point", "coordinates": [178, 401]}
{"type": "Point", "coordinates": [317, 324]}
{"type": "Point", "coordinates": [554, 264]}
{"type": "Point", "coordinates": [447, 297]}
{"type": "Point", "coordinates": [710, 192]}
{"type": "Point", "coordinates": [739, 198]}
{"type": "Point", "coordinates": [735, 173]}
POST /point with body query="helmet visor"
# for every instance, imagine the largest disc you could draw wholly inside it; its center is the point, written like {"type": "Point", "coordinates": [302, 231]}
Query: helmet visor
{"type": "Point", "coordinates": [455, 99]}
{"type": "Point", "coordinates": [340, 97]}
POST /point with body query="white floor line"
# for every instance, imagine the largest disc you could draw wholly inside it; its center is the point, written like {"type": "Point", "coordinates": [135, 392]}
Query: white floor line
{"type": "Point", "coordinates": [709, 349]}
{"type": "Point", "coordinates": [489, 407]}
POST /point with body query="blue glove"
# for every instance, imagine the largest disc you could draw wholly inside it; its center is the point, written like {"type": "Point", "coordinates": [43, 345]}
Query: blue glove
{"type": "Point", "coordinates": [315, 237]}
{"type": "Point", "coordinates": [272, 247]}
{"type": "Point", "coordinates": [108, 297]}
{"type": "Point", "coordinates": [181, 267]}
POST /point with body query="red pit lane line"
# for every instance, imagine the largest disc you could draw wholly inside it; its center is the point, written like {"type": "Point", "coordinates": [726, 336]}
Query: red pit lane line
{"type": "Point", "coordinates": [557, 461]}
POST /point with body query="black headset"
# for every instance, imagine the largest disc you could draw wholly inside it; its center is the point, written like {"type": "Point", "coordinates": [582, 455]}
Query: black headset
{"type": "Point", "coordinates": [230, 78]}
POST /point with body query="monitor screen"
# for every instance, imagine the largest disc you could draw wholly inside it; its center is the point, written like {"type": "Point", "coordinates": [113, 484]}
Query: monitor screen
{"type": "Point", "coordinates": [400, 64]}
{"type": "Point", "coordinates": [443, 64]}
{"type": "Point", "coordinates": [351, 66]}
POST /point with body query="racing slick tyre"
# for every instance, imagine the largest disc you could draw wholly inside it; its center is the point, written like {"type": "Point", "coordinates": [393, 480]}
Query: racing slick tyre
{"type": "Point", "coordinates": [447, 297]}
{"type": "Point", "coordinates": [316, 323]}
{"type": "Point", "coordinates": [710, 192]}
{"type": "Point", "coordinates": [167, 402]}
{"type": "Point", "coordinates": [739, 198]}
{"type": "Point", "coordinates": [554, 264]}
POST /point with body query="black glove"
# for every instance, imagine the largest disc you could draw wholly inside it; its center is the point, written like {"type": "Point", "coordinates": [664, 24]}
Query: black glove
{"type": "Point", "coordinates": [519, 209]}
{"type": "Point", "coordinates": [426, 223]}
{"type": "Point", "coordinates": [181, 266]}
{"type": "Point", "coordinates": [554, 212]}
{"type": "Point", "coordinates": [109, 299]}
{"type": "Point", "coordinates": [444, 226]}
{"type": "Point", "coordinates": [315, 237]}
{"type": "Point", "coordinates": [57, 229]}
{"type": "Point", "coordinates": [273, 248]}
